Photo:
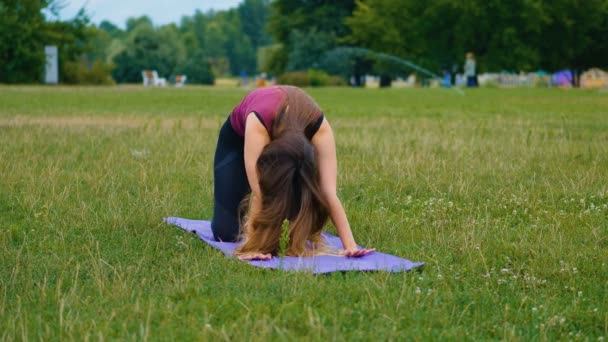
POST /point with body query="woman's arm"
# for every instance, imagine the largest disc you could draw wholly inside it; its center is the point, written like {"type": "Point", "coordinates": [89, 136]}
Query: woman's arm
{"type": "Point", "coordinates": [325, 148]}
{"type": "Point", "coordinates": [256, 137]}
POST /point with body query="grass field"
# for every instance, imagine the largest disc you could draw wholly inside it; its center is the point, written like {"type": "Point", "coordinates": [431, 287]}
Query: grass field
{"type": "Point", "coordinates": [502, 192]}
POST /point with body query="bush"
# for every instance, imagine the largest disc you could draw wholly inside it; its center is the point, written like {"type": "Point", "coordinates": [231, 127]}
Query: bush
{"type": "Point", "coordinates": [311, 78]}
{"type": "Point", "coordinates": [197, 69]}
{"type": "Point", "coordinates": [78, 73]}
{"type": "Point", "coordinates": [318, 78]}
{"type": "Point", "coordinates": [336, 81]}
{"type": "Point", "coordinates": [296, 78]}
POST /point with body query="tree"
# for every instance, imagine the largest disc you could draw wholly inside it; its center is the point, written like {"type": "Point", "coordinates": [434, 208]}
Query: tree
{"type": "Point", "coordinates": [197, 68]}
{"type": "Point", "coordinates": [308, 49]}
{"type": "Point", "coordinates": [574, 35]}
{"type": "Point", "coordinates": [322, 17]}
{"type": "Point", "coordinates": [505, 35]}
{"type": "Point", "coordinates": [222, 39]}
{"type": "Point", "coordinates": [253, 16]}
{"type": "Point", "coordinates": [149, 48]}
{"type": "Point", "coordinates": [23, 33]}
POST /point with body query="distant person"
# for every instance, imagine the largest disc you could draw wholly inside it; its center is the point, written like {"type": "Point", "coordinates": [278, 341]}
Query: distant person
{"type": "Point", "coordinates": [244, 78]}
{"type": "Point", "coordinates": [469, 70]}
{"type": "Point", "coordinates": [261, 81]}
{"type": "Point", "coordinates": [446, 81]}
{"type": "Point", "coordinates": [277, 151]}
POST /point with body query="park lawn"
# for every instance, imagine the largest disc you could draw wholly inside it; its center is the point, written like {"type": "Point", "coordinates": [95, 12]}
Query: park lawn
{"type": "Point", "coordinates": [502, 192]}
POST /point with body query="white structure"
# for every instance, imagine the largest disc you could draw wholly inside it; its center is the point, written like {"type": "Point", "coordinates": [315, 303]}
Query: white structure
{"type": "Point", "coordinates": [150, 78]}
{"type": "Point", "coordinates": [180, 80]}
{"type": "Point", "coordinates": [51, 71]}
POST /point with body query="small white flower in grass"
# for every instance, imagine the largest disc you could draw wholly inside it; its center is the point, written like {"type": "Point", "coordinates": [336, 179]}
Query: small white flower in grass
{"type": "Point", "coordinates": [418, 291]}
{"type": "Point", "coordinates": [534, 309]}
{"type": "Point", "coordinates": [477, 247]}
{"type": "Point", "coordinates": [502, 281]}
{"type": "Point", "coordinates": [208, 326]}
{"type": "Point", "coordinates": [439, 276]}
{"type": "Point", "coordinates": [562, 320]}
{"type": "Point", "coordinates": [505, 271]}
{"type": "Point", "coordinates": [139, 154]}
{"type": "Point", "coordinates": [514, 212]}
{"type": "Point", "coordinates": [574, 270]}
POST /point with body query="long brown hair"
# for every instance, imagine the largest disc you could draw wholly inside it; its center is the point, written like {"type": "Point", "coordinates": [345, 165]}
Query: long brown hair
{"type": "Point", "coordinates": [289, 183]}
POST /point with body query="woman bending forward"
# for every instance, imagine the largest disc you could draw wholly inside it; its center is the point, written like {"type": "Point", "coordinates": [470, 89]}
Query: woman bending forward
{"type": "Point", "coordinates": [277, 147]}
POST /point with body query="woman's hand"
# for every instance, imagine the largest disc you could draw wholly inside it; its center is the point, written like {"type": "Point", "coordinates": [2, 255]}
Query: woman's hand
{"type": "Point", "coordinates": [255, 256]}
{"type": "Point", "coordinates": [356, 252]}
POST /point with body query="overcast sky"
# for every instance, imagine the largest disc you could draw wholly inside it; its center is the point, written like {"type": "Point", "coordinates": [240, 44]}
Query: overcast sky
{"type": "Point", "coordinates": [161, 11]}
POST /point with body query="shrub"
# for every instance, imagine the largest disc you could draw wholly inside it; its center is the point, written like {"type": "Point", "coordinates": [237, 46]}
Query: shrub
{"type": "Point", "coordinates": [296, 78]}
{"type": "Point", "coordinates": [311, 78]}
{"type": "Point", "coordinates": [318, 78]}
{"type": "Point", "coordinates": [79, 73]}
{"type": "Point", "coordinates": [197, 69]}
{"type": "Point", "coordinates": [336, 81]}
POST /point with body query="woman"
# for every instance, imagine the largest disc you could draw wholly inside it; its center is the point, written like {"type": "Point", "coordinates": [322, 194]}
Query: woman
{"type": "Point", "coordinates": [277, 146]}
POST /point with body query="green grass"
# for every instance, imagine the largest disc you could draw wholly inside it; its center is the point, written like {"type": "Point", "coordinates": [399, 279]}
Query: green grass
{"type": "Point", "coordinates": [503, 193]}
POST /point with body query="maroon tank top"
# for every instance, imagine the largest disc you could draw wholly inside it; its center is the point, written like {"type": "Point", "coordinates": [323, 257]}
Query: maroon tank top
{"type": "Point", "coordinates": [265, 103]}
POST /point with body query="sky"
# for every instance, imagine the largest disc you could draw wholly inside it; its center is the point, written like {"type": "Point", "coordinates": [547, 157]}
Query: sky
{"type": "Point", "coordinates": [160, 11]}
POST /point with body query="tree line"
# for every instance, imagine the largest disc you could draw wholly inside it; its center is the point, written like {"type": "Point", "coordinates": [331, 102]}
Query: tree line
{"type": "Point", "coordinates": [284, 36]}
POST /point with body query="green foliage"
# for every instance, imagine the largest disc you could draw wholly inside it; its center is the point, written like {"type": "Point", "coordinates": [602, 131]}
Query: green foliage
{"type": "Point", "coordinates": [307, 29]}
{"type": "Point", "coordinates": [504, 35]}
{"type": "Point", "coordinates": [222, 37]}
{"type": "Point", "coordinates": [274, 59]}
{"type": "Point", "coordinates": [24, 31]}
{"type": "Point", "coordinates": [284, 241]}
{"type": "Point", "coordinates": [253, 17]}
{"type": "Point", "coordinates": [318, 78]}
{"type": "Point", "coordinates": [295, 78]}
{"type": "Point", "coordinates": [311, 78]}
{"type": "Point", "coordinates": [148, 48]}
{"type": "Point", "coordinates": [197, 68]}
{"type": "Point", "coordinates": [23, 34]}
{"type": "Point", "coordinates": [307, 49]}
{"type": "Point", "coordinates": [79, 72]}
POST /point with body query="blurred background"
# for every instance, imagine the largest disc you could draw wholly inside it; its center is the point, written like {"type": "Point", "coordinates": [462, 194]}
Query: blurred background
{"type": "Point", "coordinates": [373, 43]}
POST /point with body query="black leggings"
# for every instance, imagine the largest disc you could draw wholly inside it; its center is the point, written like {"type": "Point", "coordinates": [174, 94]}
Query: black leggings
{"type": "Point", "coordinates": [230, 184]}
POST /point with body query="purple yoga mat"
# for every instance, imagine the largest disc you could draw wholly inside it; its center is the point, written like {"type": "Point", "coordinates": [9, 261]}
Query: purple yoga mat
{"type": "Point", "coordinates": [318, 264]}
